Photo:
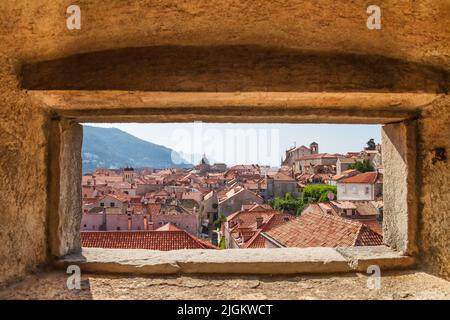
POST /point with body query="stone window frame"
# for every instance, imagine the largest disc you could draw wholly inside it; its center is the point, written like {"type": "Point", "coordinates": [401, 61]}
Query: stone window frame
{"type": "Point", "coordinates": [399, 134]}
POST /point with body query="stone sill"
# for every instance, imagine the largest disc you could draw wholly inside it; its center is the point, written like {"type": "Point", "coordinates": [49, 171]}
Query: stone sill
{"type": "Point", "coordinates": [237, 261]}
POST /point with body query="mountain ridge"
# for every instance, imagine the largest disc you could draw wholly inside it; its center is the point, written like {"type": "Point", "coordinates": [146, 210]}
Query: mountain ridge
{"type": "Point", "coordinates": [113, 148]}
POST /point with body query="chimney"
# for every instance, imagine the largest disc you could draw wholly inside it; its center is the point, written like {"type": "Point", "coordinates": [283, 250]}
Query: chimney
{"type": "Point", "coordinates": [130, 224]}
{"type": "Point", "coordinates": [259, 222]}
{"type": "Point", "coordinates": [145, 223]}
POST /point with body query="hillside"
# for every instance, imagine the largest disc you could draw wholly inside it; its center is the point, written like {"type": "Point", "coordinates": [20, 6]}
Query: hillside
{"type": "Point", "coordinates": [114, 148]}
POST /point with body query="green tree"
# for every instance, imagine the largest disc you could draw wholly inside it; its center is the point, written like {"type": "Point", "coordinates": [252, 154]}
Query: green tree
{"type": "Point", "coordinates": [362, 166]}
{"type": "Point", "coordinates": [222, 243]}
{"type": "Point", "coordinates": [222, 218]}
{"type": "Point", "coordinates": [288, 204]}
{"type": "Point", "coordinates": [310, 194]}
{"type": "Point", "coordinates": [317, 193]}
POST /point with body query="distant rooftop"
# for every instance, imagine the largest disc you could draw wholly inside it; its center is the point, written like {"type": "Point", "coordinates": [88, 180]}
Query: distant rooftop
{"type": "Point", "coordinates": [164, 240]}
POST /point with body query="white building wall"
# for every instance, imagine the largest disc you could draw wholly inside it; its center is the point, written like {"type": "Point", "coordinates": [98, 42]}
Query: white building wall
{"type": "Point", "coordinates": [355, 191]}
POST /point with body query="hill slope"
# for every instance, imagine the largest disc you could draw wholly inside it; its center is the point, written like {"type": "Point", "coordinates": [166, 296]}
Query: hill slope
{"type": "Point", "coordinates": [113, 148]}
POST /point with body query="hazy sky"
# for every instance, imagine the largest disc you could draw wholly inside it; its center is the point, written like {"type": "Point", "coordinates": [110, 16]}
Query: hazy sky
{"type": "Point", "coordinates": [250, 143]}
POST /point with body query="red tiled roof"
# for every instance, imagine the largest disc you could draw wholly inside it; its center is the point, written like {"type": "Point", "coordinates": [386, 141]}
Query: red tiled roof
{"type": "Point", "coordinates": [245, 227]}
{"type": "Point", "coordinates": [88, 192]}
{"type": "Point", "coordinates": [233, 215]}
{"type": "Point", "coordinates": [120, 196]}
{"type": "Point", "coordinates": [247, 219]}
{"type": "Point", "coordinates": [296, 148]}
{"type": "Point", "coordinates": [367, 177]}
{"type": "Point", "coordinates": [233, 192]}
{"type": "Point", "coordinates": [89, 200]}
{"type": "Point", "coordinates": [255, 207]}
{"type": "Point", "coordinates": [257, 241]}
{"type": "Point", "coordinates": [313, 229]}
{"type": "Point", "coordinates": [319, 156]}
{"type": "Point", "coordinates": [326, 208]}
{"type": "Point", "coordinates": [366, 208]}
{"type": "Point", "coordinates": [280, 176]}
{"type": "Point", "coordinates": [368, 237]}
{"type": "Point", "coordinates": [373, 224]}
{"type": "Point", "coordinates": [345, 174]}
{"type": "Point", "coordinates": [135, 200]}
{"type": "Point", "coordinates": [151, 240]}
{"type": "Point", "coordinates": [168, 227]}
{"type": "Point", "coordinates": [276, 220]}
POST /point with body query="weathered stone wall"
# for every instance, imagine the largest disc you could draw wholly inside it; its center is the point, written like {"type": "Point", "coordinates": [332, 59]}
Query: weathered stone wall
{"type": "Point", "coordinates": [231, 68]}
{"type": "Point", "coordinates": [23, 183]}
{"type": "Point", "coordinates": [434, 210]}
{"type": "Point", "coordinates": [65, 205]}
{"type": "Point", "coordinates": [415, 34]}
{"type": "Point", "coordinates": [411, 30]}
{"type": "Point", "coordinates": [399, 186]}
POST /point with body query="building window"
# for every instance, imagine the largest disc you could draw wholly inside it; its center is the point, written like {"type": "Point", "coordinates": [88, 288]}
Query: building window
{"type": "Point", "coordinates": [118, 228]}
{"type": "Point", "coordinates": [112, 204]}
{"type": "Point", "coordinates": [102, 204]}
{"type": "Point", "coordinates": [367, 190]}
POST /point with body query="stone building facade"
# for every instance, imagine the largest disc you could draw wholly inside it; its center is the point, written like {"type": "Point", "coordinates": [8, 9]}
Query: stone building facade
{"type": "Point", "coordinates": [279, 184]}
{"type": "Point", "coordinates": [234, 200]}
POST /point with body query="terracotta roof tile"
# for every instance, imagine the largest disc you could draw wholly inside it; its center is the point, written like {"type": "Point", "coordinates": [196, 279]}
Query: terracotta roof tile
{"type": "Point", "coordinates": [367, 177]}
{"type": "Point", "coordinates": [368, 237]}
{"type": "Point", "coordinates": [313, 229]}
{"type": "Point", "coordinates": [168, 227]}
{"type": "Point", "coordinates": [280, 176]}
{"type": "Point", "coordinates": [373, 224]}
{"type": "Point", "coordinates": [257, 241]}
{"type": "Point", "coordinates": [276, 220]}
{"type": "Point", "coordinates": [243, 225]}
{"type": "Point", "coordinates": [151, 240]}
{"type": "Point", "coordinates": [366, 208]}
{"type": "Point", "coordinates": [320, 156]}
